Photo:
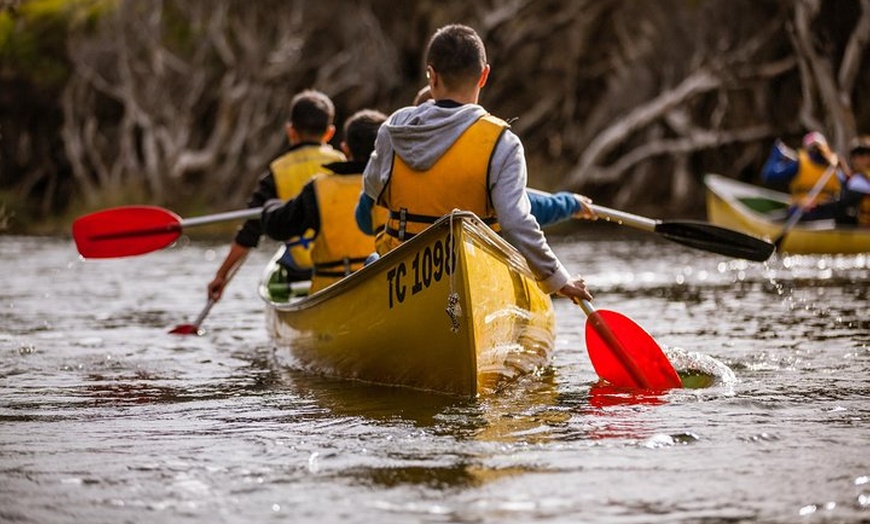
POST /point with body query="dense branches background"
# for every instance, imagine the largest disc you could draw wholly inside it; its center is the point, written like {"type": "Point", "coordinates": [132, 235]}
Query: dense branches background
{"type": "Point", "coordinates": [181, 103]}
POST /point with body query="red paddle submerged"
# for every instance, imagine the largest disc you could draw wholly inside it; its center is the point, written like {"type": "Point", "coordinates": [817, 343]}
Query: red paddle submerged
{"type": "Point", "coordinates": [624, 354]}
{"type": "Point", "coordinates": [194, 329]}
{"type": "Point", "coordinates": [135, 230]}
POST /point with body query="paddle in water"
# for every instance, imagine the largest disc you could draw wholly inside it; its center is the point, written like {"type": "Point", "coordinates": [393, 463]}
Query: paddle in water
{"type": "Point", "coordinates": [135, 230]}
{"type": "Point", "coordinates": [196, 327]}
{"type": "Point", "coordinates": [624, 354]}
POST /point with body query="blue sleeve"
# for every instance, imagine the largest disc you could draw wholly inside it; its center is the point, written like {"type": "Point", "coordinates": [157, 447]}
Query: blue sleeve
{"type": "Point", "coordinates": [550, 209]}
{"type": "Point", "coordinates": [779, 167]}
{"type": "Point", "coordinates": [364, 213]}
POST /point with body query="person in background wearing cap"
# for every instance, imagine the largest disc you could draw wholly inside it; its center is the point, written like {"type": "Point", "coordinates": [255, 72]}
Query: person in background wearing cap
{"type": "Point", "coordinates": [801, 170]}
{"type": "Point", "coordinates": [854, 204]}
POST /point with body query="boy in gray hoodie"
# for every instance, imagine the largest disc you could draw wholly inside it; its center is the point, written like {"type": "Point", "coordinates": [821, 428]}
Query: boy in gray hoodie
{"type": "Point", "coordinates": [421, 135]}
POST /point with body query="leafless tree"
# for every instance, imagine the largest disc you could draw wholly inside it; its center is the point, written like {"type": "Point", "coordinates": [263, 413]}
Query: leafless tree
{"type": "Point", "coordinates": [198, 93]}
{"type": "Point", "coordinates": [641, 93]}
{"type": "Point", "coordinates": [183, 102]}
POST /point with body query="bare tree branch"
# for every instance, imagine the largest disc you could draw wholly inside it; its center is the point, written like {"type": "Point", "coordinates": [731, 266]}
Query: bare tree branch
{"type": "Point", "coordinates": [855, 49]}
{"type": "Point", "coordinates": [595, 153]}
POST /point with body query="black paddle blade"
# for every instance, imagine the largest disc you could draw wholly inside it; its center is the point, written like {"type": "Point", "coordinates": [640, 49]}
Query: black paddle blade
{"type": "Point", "coordinates": [715, 239]}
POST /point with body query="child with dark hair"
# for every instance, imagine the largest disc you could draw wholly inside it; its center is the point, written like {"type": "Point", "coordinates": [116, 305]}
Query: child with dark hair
{"type": "Point", "coordinates": [459, 156]}
{"type": "Point", "coordinates": [309, 129]}
{"type": "Point", "coordinates": [325, 205]}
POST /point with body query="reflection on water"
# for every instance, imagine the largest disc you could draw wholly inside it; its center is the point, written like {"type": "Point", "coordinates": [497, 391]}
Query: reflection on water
{"type": "Point", "coordinates": [108, 418]}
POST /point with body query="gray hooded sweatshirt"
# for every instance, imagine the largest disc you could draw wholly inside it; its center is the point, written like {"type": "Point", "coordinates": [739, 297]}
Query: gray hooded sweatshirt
{"type": "Point", "coordinates": [420, 135]}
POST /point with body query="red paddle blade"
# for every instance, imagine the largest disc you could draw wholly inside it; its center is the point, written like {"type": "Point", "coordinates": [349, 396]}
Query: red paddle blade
{"type": "Point", "coordinates": [185, 329]}
{"type": "Point", "coordinates": [625, 355]}
{"type": "Point", "coordinates": [125, 231]}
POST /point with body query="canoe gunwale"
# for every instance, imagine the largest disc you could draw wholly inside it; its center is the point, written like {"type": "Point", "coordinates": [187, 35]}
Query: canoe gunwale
{"type": "Point", "coordinates": [466, 219]}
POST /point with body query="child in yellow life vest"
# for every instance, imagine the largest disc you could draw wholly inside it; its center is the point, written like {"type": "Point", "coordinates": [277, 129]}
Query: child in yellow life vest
{"type": "Point", "coordinates": [326, 205]}
{"type": "Point", "coordinates": [547, 208]}
{"type": "Point", "coordinates": [801, 170]}
{"type": "Point", "coordinates": [450, 153]}
{"type": "Point", "coordinates": [309, 130]}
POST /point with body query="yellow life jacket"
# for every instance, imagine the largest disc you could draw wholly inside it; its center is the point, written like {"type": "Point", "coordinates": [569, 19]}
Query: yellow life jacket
{"type": "Point", "coordinates": [807, 175]}
{"type": "Point", "coordinates": [291, 171]}
{"type": "Point", "coordinates": [340, 247]}
{"type": "Point", "coordinates": [458, 180]}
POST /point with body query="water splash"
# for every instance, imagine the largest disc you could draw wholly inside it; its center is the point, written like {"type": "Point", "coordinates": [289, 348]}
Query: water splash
{"type": "Point", "coordinates": [698, 370]}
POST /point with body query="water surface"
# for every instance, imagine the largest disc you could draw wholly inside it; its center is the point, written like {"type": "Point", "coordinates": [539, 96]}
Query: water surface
{"type": "Point", "coordinates": [105, 417]}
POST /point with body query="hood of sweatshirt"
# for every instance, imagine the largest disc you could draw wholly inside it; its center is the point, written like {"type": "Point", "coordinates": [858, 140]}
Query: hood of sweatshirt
{"type": "Point", "coordinates": [421, 135]}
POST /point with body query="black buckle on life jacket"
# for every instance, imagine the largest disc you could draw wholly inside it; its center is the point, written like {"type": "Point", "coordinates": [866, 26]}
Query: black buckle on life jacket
{"type": "Point", "coordinates": [403, 221]}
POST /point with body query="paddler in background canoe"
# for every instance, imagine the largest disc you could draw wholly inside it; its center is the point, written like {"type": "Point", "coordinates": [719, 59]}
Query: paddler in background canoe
{"type": "Point", "coordinates": [309, 129]}
{"type": "Point", "coordinates": [801, 170]}
{"type": "Point", "coordinates": [854, 205]}
{"type": "Point", "coordinates": [325, 205]}
{"type": "Point", "coordinates": [450, 153]}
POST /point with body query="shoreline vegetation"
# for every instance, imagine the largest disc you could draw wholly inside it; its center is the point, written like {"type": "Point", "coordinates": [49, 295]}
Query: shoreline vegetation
{"type": "Point", "coordinates": [181, 104]}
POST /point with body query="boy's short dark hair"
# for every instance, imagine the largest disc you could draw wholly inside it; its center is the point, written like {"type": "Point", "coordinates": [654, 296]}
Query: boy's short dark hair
{"type": "Point", "coordinates": [457, 54]}
{"type": "Point", "coordinates": [311, 113]}
{"type": "Point", "coordinates": [360, 132]}
{"type": "Point", "coordinates": [860, 146]}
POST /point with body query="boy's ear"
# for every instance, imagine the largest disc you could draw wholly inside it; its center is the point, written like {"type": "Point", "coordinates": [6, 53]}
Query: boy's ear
{"type": "Point", "coordinates": [292, 135]}
{"type": "Point", "coordinates": [345, 149]}
{"type": "Point", "coordinates": [330, 132]}
{"type": "Point", "coordinates": [484, 75]}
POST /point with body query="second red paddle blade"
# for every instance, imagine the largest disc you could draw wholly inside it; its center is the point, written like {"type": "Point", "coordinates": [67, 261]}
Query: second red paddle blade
{"type": "Point", "coordinates": [125, 231]}
{"type": "Point", "coordinates": [185, 329]}
{"type": "Point", "coordinates": [625, 355]}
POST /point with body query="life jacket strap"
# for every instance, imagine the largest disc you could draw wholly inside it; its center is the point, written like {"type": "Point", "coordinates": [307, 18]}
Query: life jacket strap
{"type": "Point", "coordinates": [403, 217]}
{"type": "Point", "coordinates": [401, 235]}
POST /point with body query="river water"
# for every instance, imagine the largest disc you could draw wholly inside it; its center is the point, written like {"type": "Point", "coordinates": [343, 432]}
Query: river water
{"type": "Point", "coordinates": [106, 417]}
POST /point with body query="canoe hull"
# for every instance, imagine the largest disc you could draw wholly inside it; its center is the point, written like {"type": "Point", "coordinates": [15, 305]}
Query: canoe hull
{"type": "Point", "coordinates": [751, 209]}
{"type": "Point", "coordinates": [391, 322]}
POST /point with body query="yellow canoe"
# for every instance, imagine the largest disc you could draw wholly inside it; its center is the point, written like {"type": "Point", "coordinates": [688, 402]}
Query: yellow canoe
{"type": "Point", "coordinates": [394, 321]}
{"type": "Point", "coordinates": [762, 212]}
